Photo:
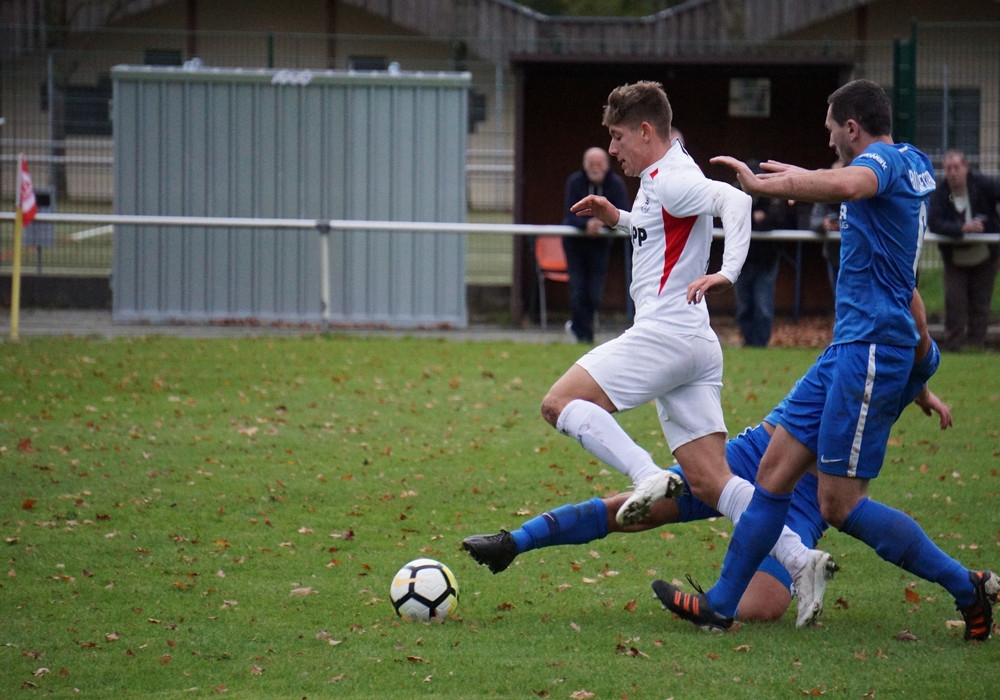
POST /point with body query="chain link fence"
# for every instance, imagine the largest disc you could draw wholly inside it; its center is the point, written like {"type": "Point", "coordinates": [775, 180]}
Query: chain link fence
{"type": "Point", "coordinates": [55, 106]}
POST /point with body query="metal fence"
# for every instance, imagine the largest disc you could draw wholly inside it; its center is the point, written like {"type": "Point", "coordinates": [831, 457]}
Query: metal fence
{"type": "Point", "coordinates": [65, 131]}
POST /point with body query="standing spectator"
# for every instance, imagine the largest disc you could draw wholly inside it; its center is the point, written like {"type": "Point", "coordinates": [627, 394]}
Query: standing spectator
{"type": "Point", "coordinates": [824, 219]}
{"type": "Point", "coordinates": [755, 285]}
{"type": "Point", "coordinates": [966, 202]}
{"type": "Point", "coordinates": [587, 255]}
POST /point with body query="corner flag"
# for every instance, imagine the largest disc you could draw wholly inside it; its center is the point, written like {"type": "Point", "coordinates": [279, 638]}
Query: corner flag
{"type": "Point", "coordinates": [26, 193]}
{"type": "Point", "coordinates": [26, 208]}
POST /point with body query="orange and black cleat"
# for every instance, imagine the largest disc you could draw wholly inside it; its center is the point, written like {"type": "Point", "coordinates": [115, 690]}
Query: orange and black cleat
{"type": "Point", "coordinates": [693, 607]}
{"type": "Point", "coordinates": [978, 615]}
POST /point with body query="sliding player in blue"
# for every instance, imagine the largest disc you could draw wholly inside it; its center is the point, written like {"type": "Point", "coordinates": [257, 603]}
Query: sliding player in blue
{"type": "Point", "coordinates": [770, 590]}
{"type": "Point", "coordinates": [838, 417]}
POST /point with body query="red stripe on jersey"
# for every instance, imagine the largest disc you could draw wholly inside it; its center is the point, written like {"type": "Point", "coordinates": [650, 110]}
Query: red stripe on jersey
{"type": "Point", "coordinates": [676, 233]}
{"type": "Point", "coordinates": [653, 174]}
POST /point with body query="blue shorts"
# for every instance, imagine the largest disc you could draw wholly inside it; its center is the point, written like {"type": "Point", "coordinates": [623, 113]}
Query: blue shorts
{"type": "Point", "coordinates": [743, 454]}
{"type": "Point", "coordinates": [844, 408]}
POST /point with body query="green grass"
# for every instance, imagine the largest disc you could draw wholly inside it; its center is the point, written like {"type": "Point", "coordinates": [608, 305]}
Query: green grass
{"type": "Point", "coordinates": [163, 498]}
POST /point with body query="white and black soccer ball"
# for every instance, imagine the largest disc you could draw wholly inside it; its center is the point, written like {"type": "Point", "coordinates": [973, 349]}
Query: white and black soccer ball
{"type": "Point", "coordinates": [424, 589]}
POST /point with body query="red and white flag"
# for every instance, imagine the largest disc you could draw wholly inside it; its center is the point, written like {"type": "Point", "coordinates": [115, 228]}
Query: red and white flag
{"type": "Point", "coordinates": [26, 201]}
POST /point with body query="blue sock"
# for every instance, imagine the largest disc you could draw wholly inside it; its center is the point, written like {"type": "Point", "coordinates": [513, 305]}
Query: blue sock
{"type": "Point", "coordinates": [570, 524]}
{"type": "Point", "coordinates": [897, 538]}
{"type": "Point", "coordinates": [758, 530]}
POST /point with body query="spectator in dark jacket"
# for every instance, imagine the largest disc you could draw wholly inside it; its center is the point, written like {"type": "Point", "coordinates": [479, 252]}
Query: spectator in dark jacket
{"type": "Point", "coordinates": [966, 202]}
{"type": "Point", "coordinates": [587, 254]}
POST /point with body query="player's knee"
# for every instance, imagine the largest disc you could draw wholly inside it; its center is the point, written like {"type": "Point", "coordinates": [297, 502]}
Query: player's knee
{"type": "Point", "coordinates": [551, 408]}
{"type": "Point", "coordinates": [765, 599]}
{"type": "Point", "coordinates": [758, 609]}
{"type": "Point", "coordinates": [833, 512]}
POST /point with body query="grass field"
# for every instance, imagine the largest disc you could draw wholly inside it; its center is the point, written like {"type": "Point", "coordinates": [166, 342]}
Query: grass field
{"type": "Point", "coordinates": [195, 518]}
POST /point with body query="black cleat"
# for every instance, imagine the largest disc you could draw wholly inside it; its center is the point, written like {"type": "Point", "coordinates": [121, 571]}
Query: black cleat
{"type": "Point", "coordinates": [693, 607]}
{"type": "Point", "coordinates": [494, 551]}
{"type": "Point", "coordinates": [978, 615]}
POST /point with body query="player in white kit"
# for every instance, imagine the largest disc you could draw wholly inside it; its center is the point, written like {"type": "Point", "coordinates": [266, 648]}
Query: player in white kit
{"type": "Point", "coordinates": [671, 355]}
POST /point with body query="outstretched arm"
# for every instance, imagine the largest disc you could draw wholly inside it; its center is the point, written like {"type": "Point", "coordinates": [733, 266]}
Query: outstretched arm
{"type": "Point", "coordinates": [846, 184]}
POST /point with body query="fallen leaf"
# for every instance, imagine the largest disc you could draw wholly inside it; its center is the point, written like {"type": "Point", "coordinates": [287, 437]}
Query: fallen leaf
{"type": "Point", "coordinates": [582, 695]}
{"type": "Point", "coordinates": [907, 636]}
{"type": "Point", "coordinates": [302, 591]}
{"type": "Point", "coordinates": [912, 596]}
{"type": "Point", "coordinates": [631, 606]}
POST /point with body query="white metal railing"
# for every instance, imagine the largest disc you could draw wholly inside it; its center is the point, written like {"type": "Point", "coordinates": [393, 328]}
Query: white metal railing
{"type": "Point", "coordinates": [802, 235]}
{"type": "Point", "coordinates": [324, 226]}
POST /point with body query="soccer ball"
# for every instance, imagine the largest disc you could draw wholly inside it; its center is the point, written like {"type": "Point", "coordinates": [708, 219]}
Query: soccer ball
{"type": "Point", "coordinates": [424, 589]}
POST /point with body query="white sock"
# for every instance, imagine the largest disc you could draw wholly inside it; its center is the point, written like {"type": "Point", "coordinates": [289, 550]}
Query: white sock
{"type": "Point", "coordinates": [789, 549]}
{"type": "Point", "coordinates": [735, 498]}
{"type": "Point", "coordinates": [599, 433]}
{"type": "Point", "coordinates": [791, 552]}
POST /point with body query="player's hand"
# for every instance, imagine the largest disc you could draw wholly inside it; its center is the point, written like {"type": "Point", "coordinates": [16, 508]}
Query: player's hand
{"type": "Point", "coordinates": [930, 404]}
{"type": "Point", "coordinates": [707, 283]}
{"type": "Point", "coordinates": [746, 178]}
{"type": "Point", "coordinates": [599, 207]}
{"type": "Point", "coordinates": [776, 167]}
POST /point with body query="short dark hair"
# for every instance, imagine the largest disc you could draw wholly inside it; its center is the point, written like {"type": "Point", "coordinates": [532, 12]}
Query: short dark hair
{"type": "Point", "coordinates": [865, 102]}
{"type": "Point", "coordinates": [644, 101]}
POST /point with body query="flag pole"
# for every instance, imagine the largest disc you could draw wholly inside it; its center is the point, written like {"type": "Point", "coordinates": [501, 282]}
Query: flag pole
{"type": "Point", "coordinates": [15, 277]}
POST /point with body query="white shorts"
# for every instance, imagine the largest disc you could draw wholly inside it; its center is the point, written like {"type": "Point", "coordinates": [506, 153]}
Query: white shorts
{"type": "Point", "coordinates": [681, 373]}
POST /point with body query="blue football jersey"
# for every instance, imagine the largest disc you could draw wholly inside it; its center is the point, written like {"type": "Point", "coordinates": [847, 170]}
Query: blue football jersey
{"type": "Point", "coordinates": [881, 240]}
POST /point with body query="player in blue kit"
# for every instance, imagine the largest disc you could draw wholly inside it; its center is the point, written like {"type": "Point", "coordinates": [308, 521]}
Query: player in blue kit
{"type": "Point", "coordinates": [770, 590]}
{"type": "Point", "coordinates": [839, 415]}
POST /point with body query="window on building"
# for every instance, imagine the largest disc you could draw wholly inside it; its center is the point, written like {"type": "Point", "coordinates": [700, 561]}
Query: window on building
{"type": "Point", "coordinates": [945, 123]}
{"type": "Point", "coordinates": [162, 57]}
{"type": "Point", "coordinates": [477, 110]}
{"type": "Point", "coordinates": [88, 108]}
{"type": "Point", "coordinates": [367, 63]}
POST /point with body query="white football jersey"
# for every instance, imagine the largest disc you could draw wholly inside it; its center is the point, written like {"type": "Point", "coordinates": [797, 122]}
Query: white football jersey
{"type": "Point", "coordinates": [671, 226]}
